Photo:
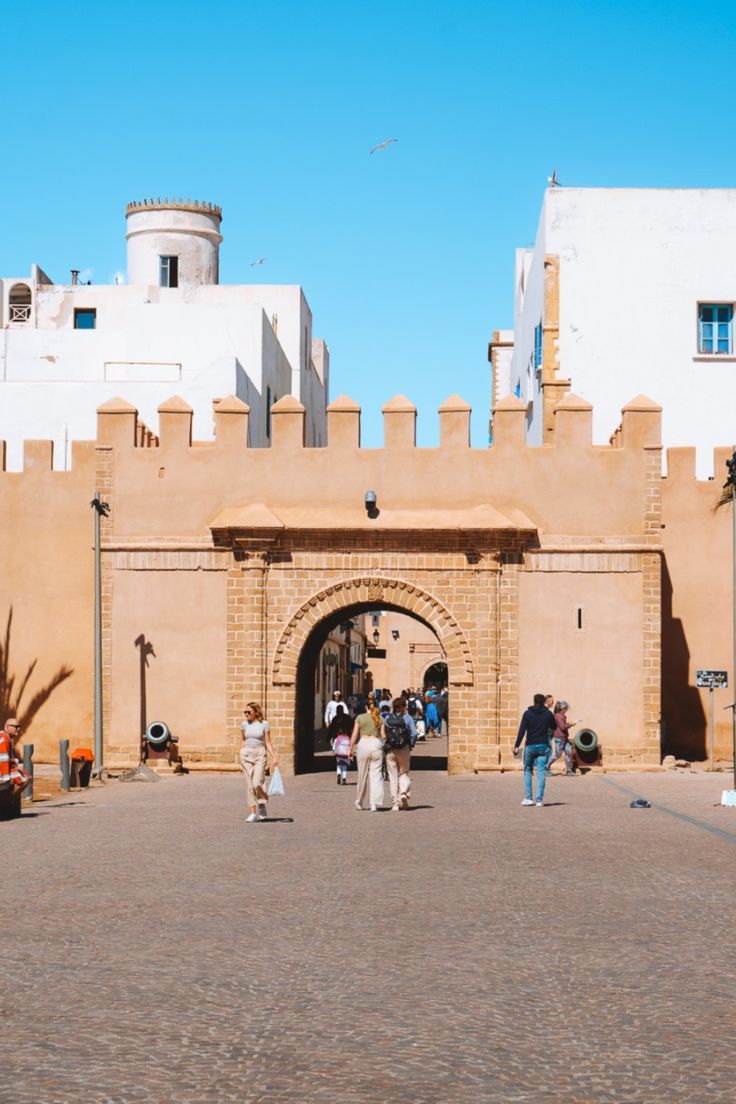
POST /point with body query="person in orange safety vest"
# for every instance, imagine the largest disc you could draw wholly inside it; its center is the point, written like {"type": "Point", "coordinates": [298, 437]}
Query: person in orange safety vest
{"type": "Point", "coordinates": [11, 772]}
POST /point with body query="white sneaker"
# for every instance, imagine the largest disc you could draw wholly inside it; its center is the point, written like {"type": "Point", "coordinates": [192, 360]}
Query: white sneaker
{"type": "Point", "coordinates": [358, 806]}
{"type": "Point", "coordinates": [262, 811]}
{"type": "Point", "coordinates": [527, 801]}
{"type": "Point", "coordinates": [539, 804]}
{"type": "Point", "coordinates": [395, 808]}
{"type": "Point", "coordinates": [251, 818]}
{"type": "Point", "coordinates": [373, 809]}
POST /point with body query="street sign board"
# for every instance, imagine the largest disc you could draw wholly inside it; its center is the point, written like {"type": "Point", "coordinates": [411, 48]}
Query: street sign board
{"type": "Point", "coordinates": [711, 680]}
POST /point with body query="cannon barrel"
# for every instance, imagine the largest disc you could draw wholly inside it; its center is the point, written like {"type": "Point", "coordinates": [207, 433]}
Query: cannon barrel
{"type": "Point", "coordinates": [585, 740]}
{"type": "Point", "coordinates": [157, 733]}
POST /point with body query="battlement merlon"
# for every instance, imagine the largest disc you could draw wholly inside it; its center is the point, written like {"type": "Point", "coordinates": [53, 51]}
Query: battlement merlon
{"type": "Point", "coordinates": [199, 208]}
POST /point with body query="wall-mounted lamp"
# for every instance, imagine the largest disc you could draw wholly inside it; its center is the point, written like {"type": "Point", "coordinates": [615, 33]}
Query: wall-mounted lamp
{"type": "Point", "coordinates": [370, 503]}
{"type": "Point", "coordinates": [376, 637]}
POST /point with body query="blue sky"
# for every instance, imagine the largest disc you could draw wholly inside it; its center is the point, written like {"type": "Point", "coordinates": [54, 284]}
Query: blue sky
{"type": "Point", "coordinates": [271, 109]}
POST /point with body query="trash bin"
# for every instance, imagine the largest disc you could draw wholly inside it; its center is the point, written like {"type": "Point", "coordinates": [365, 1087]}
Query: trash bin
{"type": "Point", "coordinates": [9, 803]}
{"type": "Point", "coordinates": [81, 767]}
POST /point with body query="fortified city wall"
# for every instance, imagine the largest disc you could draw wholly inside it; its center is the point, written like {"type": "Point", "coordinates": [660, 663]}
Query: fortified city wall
{"type": "Point", "coordinates": [538, 568]}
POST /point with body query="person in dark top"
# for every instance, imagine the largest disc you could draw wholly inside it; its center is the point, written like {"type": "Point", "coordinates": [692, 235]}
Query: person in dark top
{"type": "Point", "coordinates": [537, 726]}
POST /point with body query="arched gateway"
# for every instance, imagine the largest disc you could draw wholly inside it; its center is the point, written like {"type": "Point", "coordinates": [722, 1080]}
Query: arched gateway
{"type": "Point", "coordinates": [298, 647]}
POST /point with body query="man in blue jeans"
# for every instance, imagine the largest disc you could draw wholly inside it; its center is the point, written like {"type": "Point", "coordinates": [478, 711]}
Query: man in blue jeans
{"type": "Point", "coordinates": [537, 725]}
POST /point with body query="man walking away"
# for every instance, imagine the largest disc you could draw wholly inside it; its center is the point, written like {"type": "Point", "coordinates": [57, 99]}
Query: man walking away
{"type": "Point", "coordinates": [537, 726]}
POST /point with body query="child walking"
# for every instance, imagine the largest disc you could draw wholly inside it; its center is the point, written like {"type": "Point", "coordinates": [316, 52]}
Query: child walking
{"type": "Point", "coordinates": [341, 746]}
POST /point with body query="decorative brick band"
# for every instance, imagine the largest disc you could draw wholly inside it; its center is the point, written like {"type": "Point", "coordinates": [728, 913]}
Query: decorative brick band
{"type": "Point", "coordinates": [397, 593]}
{"type": "Point", "coordinates": [603, 561]}
{"type": "Point", "coordinates": [170, 560]}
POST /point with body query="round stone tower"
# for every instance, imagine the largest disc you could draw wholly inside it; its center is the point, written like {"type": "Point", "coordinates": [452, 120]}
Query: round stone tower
{"type": "Point", "coordinates": [174, 243]}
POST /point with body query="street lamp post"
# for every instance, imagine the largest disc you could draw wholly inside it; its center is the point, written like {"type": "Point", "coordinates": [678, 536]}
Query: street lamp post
{"type": "Point", "coordinates": [101, 509]}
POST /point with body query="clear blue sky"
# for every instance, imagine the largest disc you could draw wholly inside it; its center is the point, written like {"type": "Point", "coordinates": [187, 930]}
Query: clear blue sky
{"type": "Point", "coordinates": [271, 109]}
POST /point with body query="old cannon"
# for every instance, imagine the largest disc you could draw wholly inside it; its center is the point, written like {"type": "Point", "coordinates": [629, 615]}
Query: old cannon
{"type": "Point", "coordinates": [586, 749]}
{"type": "Point", "coordinates": [158, 745]}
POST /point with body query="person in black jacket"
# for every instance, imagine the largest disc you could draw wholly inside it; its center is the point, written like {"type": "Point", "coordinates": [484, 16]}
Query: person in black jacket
{"type": "Point", "coordinates": [537, 726]}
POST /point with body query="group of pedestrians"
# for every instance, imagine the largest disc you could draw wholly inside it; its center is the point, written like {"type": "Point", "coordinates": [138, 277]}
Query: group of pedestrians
{"type": "Point", "coordinates": [543, 725]}
{"type": "Point", "coordinates": [428, 708]}
{"type": "Point", "coordinates": [380, 740]}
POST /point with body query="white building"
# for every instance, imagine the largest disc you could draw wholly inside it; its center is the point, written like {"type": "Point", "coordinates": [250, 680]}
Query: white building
{"type": "Point", "coordinates": [169, 329]}
{"type": "Point", "coordinates": [627, 291]}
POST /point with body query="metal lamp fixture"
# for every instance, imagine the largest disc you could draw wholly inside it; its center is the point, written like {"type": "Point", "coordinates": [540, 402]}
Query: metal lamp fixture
{"type": "Point", "coordinates": [370, 501]}
{"type": "Point", "coordinates": [376, 637]}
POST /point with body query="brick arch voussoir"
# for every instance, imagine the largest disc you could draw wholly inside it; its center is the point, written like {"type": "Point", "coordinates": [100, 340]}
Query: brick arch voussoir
{"type": "Point", "coordinates": [365, 589]}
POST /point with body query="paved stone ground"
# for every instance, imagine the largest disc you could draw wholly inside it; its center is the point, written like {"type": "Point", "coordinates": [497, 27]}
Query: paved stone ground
{"type": "Point", "coordinates": [158, 949]}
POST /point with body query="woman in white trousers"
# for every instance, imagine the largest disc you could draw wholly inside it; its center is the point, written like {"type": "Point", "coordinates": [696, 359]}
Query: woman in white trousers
{"type": "Point", "coordinates": [256, 746]}
{"type": "Point", "coordinates": [369, 758]}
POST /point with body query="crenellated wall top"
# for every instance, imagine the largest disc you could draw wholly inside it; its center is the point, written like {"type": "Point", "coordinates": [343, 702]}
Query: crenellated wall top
{"type": "Point", "coordinates": [197, 206]}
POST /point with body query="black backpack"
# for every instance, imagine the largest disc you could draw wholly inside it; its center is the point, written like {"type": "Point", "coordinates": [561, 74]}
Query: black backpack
{"type": "Point", "coordinates": [397, 732]}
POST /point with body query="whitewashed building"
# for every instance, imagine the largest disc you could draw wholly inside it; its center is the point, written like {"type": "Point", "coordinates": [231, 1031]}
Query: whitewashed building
{"type": "Point", "coordinates": [169, 328]}
{"type": "Point", "coordinates": [625, 291]}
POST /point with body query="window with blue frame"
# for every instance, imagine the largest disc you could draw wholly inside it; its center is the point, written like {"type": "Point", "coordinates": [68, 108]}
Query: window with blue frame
{"type": "Point", "coordinates": [715, 328]}
{"type": "Point", "coordinates": [85, 318]}
{"type": "Point", "coordinates": [538, 345]}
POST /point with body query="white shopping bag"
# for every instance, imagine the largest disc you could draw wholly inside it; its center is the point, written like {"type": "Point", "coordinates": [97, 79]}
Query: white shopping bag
{"type": "Point", "coordinates": [276, 785]}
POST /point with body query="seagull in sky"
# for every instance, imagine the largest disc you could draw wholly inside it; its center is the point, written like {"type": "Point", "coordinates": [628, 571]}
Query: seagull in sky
{"type": "Point", "coordinates": [384, 145]}
{"type": "Point", "coordinates": [259, 261]}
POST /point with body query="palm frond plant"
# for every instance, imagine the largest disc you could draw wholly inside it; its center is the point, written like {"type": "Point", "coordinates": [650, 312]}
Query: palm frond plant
{"type": "Point", "coordinates": [11, 700]}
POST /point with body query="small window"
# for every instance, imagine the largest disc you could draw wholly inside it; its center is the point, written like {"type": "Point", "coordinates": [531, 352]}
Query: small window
{"type": "Point", "coordinates": [538, 345]}
{"type": "Point", "coordinates": [168, 272]}
{"type": "Point", "coordinates": [269, 404]}
{"type": "Point", "coordinates": [85, 318]}
{"type": "Point", "coordinates": [715, 328]}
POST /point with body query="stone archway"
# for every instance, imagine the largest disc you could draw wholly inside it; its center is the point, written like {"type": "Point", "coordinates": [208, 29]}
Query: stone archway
{"type": "Point", "coordinates": [373, 592]}
{"type": "Point", "coordinates": [296, 644]}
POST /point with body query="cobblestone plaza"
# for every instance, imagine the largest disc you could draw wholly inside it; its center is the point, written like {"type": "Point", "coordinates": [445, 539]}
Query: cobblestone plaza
{"type": "Point", "coordinates": [158, 949]}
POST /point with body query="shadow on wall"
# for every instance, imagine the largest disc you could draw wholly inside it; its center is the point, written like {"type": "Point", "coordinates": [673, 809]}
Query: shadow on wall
{"type": "Point", "coordinates": [683, 716]}
{"type": "Point", "coordinates": [10, 698]}
{"type": "Point", "coordinates": [146, 650]}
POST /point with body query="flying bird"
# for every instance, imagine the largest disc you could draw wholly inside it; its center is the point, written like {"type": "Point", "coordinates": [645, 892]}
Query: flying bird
{"type": "Point", "coordinates": [384, 145]}
{"type": "Point", "coordinates": [259, 261]}
{"type": "Point", "coordinates": [553, 181]}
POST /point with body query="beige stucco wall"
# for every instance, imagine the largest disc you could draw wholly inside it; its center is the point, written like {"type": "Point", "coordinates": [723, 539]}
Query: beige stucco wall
{"type": "Point", "coordinates": [183, 615]}
{"type": "Point", "coordinates": [697, 604]}
{"type": "Point", "coordinates": [408, 657]}
{"type": "Point", "coordinates": [47, 576]}
{"type": "Point", "coordinates": [598, 668]}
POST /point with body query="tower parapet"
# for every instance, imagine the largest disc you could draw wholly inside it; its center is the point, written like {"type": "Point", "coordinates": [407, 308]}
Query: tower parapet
{"type": "Point", "coordinates": [173, 243]}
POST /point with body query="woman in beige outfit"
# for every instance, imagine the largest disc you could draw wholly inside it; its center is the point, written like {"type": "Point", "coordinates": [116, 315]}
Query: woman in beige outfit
{"type": "Point", "coordinates": [369, 757]}
{"type": "Point", "coordinates": [256, 746]}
